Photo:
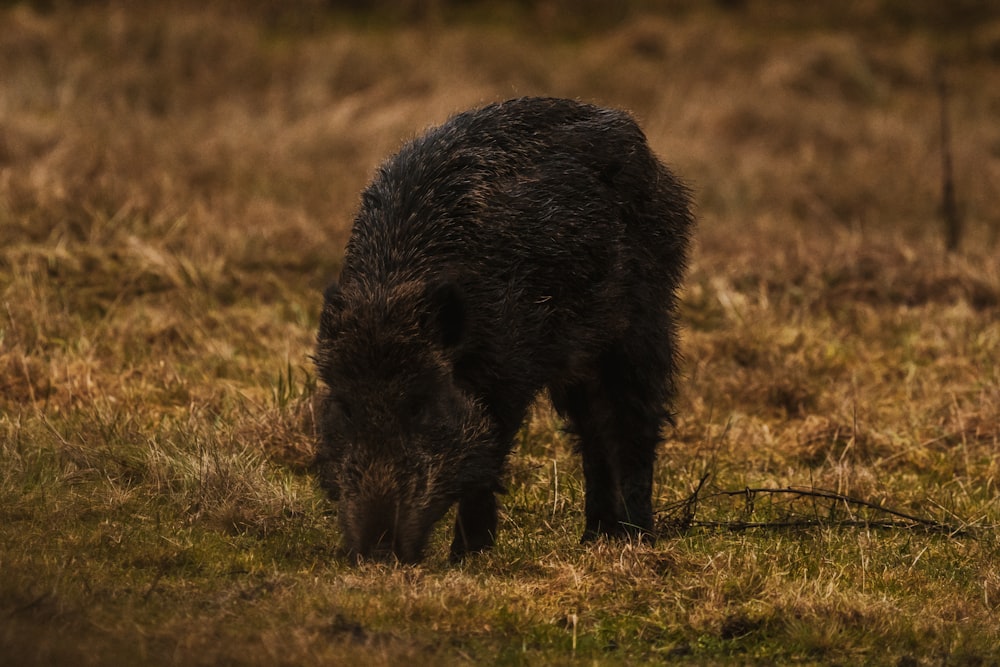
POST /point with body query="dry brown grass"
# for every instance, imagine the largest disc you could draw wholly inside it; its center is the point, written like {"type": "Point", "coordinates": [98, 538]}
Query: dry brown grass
{"type": "Point", "coordinates": [176, 184]}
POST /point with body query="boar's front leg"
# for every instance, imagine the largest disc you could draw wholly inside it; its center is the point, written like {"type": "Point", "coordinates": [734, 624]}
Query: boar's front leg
{"type": "Point", "coordinates": [476, 524]}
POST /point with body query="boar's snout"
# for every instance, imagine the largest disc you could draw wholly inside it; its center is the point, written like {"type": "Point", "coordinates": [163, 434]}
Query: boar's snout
{"type": "Point", "coordinates": [379, 532]}
{"type": "Point", "coordinates": [390, 515]}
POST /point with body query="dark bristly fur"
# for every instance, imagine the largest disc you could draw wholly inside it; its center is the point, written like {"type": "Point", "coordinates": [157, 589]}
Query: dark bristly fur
{"type": "Point", "coordinates": [528, 245]}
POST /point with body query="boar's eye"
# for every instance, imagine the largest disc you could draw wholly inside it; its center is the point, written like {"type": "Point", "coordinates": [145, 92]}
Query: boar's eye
{"type": "Point", "coordinates": [413, 406]}
{"type": "Point", "coordinates": [344, 407]}
{"type": "Point", "coordinates": [418, 408]}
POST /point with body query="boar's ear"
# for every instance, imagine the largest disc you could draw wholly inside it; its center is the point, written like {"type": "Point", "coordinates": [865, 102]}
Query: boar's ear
{"type": "Point", "coordinates": [333, 303]}
{"type": "Point", "coordinates": [445, 316]}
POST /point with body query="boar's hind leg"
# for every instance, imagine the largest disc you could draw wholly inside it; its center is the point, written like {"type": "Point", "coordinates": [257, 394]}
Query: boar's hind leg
{"type": "Point", "coordinates": [618, 417]}
{"type": "Point", "coordinates": [475, 525]}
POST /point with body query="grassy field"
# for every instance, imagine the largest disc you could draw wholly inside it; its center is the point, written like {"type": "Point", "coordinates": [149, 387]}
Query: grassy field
{"type": "Point", "coordinates": [176, 185]}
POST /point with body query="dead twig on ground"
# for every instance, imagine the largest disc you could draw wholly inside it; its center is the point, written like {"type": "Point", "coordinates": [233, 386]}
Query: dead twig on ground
{"type": "Point", "coordinates": [841, 510]}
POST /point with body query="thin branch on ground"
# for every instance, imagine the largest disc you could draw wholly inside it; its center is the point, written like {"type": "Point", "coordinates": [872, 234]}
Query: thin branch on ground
{"type": "Point", "coordinates": [856, 512]}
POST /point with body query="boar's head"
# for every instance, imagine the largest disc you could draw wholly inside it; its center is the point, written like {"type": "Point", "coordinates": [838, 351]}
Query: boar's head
{"type": "Point", "coordinates": [399, 437]}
